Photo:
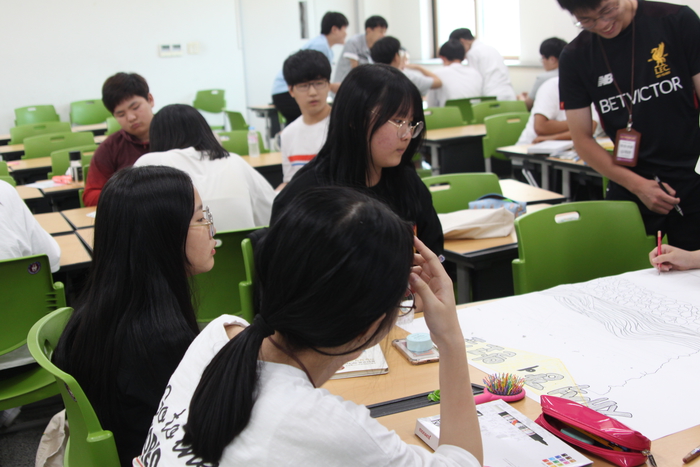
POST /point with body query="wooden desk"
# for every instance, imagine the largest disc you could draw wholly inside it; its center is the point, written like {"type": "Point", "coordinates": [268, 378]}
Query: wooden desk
{"type": "Point", "coordinates": [29, 193]}
{"type": "Point", "coordinates": [457, 149]}
{"type": "Point", "coordinates": [87, 236]}
{"type": "Point", "coordinates": [27, 170]}
{"type": "Point", "coordinates": [62, 197]}
{"type": "Point", "coordinates": [73, 252]}
{"type": "Point", "coordinates": [53, 223]}
{"type": "Point", "coordinates": [405, 380]}
{"type": "Point", "coordinates": [520, 191]}
{"type": "Point", "coordinates": [269, 165]}
{"type": "Point", "coordinates": [79, 218]}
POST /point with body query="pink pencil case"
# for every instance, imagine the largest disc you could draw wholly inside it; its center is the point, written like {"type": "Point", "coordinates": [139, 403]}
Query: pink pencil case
{"type": "Point", "coordinates": [594, 432]}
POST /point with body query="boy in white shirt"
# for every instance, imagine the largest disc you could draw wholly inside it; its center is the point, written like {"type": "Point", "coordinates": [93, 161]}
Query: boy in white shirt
{"type": "Point", "coordinates": [307, 73]}
{"type": "Point", "coordinates": [458, 81]}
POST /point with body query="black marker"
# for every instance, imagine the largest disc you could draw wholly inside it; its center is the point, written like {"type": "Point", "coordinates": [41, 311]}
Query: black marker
{"type": "Point", "coordinates": [661, 185]}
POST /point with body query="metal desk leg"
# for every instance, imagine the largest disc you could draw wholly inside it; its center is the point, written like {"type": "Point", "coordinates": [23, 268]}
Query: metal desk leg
{"type": "Point", "coordinates": [434, 158]}
{"type": "Point", "coordinates": [545, 176]}
{"type": "Point", "coordinates": [566, 183]}
{"type": "Point", "coordinates": [463, 284]}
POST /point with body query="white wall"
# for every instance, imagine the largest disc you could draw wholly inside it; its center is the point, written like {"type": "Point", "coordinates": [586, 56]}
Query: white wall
{"type": "Point", "coordinates": [58, 52]}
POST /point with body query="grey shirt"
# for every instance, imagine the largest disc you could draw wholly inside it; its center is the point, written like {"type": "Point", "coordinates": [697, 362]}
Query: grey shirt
{"type": "Point", "coordinates": [355, 49]}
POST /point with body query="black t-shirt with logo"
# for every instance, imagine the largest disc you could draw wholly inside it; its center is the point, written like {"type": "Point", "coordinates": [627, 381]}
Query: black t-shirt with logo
{"type": "Point", "coordinates": [665, 110]}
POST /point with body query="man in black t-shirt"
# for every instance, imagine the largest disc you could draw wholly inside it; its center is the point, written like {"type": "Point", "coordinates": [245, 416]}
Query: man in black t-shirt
{"type": "Point", "coordinates": [639, 58]}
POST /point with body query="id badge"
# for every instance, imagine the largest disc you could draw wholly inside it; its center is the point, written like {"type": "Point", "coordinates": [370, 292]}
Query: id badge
{"type": "Point", "coordinates": [627, 147]}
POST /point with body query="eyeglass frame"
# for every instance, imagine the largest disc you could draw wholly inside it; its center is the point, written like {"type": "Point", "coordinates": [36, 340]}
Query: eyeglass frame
{"type": "Point", "coordinates": [209, 222]}
{"type": "Point", "coordinates": [406, 309]}
{"type": "Point", "coordinates": [411, 128]}
{"type": "Point", "coordinates": [612, 11]}
{"type": "Point", "coordinates": [317, 84]}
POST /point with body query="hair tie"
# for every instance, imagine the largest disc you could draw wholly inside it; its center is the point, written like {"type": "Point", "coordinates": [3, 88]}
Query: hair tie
{"type": "Point", "coordinates": [261, 324]}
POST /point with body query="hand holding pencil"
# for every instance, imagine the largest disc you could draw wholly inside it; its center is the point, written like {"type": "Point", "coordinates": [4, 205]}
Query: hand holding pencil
{"type": "Point", "coordinates": [673, 258]}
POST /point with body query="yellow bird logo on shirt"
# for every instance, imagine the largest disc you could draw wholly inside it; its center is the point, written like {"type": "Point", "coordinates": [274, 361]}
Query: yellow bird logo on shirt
{"type": "Point", "coordinates": [658, 55]}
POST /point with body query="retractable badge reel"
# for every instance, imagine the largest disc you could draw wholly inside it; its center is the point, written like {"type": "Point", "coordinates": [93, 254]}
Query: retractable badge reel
{"type": "Point", "coordinates": [627, 145]}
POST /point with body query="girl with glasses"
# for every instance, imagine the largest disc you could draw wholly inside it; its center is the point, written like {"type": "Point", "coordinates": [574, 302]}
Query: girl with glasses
{"type": "Point", "coordinates": [135, 318]}
{"type": "Point", "coordinates": [331, 278]}
{"type": "Point", "coordinates": [376, 128]}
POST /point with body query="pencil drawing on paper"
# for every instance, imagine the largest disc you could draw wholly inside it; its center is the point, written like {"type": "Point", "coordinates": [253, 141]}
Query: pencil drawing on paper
{"type": "Point", "coordinates": [632, 312]}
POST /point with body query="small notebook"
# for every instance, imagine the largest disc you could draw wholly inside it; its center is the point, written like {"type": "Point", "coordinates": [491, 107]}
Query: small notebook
{"type": "Point", "coordinates": [370, 362]}
{"type": "Point", "coordinates": [510, 439]}
{"type": "Point", "coordinates": [550, 147]}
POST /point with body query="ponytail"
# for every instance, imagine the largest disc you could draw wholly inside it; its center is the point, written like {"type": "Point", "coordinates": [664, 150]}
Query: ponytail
{"type": "Point", "coordinates": [223, 401]}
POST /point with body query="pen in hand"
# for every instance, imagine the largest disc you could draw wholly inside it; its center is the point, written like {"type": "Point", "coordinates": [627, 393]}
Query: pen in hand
{"type": "Point", "coordinates": [663, 188]}
{"type": "Point", "coordinates": [658, 249]}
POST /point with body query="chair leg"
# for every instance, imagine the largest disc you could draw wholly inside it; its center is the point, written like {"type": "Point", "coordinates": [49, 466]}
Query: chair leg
{"type": "Point", "coordinates": [487, 164]}
{"type": "Point", "coordinates": [529, 177]}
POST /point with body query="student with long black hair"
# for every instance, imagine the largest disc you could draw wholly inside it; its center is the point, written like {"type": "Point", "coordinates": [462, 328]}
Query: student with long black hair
{"type": "Point", "coordinates": [237, 194]}
{"type": "Point", "coordinates": [375, 130]}
{"type": "Point", "coordinates": [331, 279]}
{"type": "Point", "coordinates": [135, 318]}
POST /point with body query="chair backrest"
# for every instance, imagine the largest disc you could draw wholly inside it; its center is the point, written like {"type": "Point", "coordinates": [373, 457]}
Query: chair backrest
{"type": "Point", "coordinates": [484, 109]}
{"type": "Point", "coordinates": [44, 145]}
{"type": "Point", "coordinates": [35, 114]}
{"type": "Point", "coordinates": [502, 130]}
{"type": "Point", "coordinates": [217, 289]}
{"type": "Point", "coordinates": [236, 120]}
{"type": "Point", "coordinates": [465, 106]}
{"type": "Point", "coordinates": [88, 112]}
{"type": "Point", "coordinates": [19, 133]}
{"type": "Point", "coordinates": [88, 444]}
{"type": "Point", "coordinates": [28, 292]}
{"type": "Point", "coordinates": [453, 192]}
{"type": "Point", "coordinates": [237, 142]}
{"type": "Point", "coordinates": [112, 126]}
{"type": "Point", "coordinates": [442, 117]}
{"type": "Point", "coordinates": [3, 168]}
{"type": "Point", "coordinates": [246, 286]}
{"type": "Point", "coordinates": [210, 100]}
{"type": "Point", "coordinates": [60, 160]}
{"type": "Point", "coordinates": [577, 242]}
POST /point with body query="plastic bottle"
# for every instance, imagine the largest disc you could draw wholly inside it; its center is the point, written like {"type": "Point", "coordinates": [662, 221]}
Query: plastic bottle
{"type": "Point", "coordinates": [76, 167]}
{"type": "Point", "coordinates": [253, 146]}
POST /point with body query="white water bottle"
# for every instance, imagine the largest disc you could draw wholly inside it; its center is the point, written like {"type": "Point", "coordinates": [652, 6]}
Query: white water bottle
{"type": "Point", "coordinates": [253, 146]}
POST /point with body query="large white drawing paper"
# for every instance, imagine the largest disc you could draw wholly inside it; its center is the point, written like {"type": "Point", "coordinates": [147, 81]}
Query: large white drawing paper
{"type": "Point", "coordinates": [631, 343]}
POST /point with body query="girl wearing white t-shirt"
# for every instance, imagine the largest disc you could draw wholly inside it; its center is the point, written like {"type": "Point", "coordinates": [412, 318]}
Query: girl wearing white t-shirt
{"type": "Point", "coordinates": [330, 275]}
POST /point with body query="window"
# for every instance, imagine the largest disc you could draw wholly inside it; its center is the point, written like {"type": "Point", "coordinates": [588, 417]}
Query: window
{"type": "Point", "coordinates": [496, 22]}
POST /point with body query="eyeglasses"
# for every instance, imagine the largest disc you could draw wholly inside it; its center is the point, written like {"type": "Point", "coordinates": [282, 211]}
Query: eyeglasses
{"type": "Point", "coordinates": [404, 128]}
{"type": "Point", "coordinates": [209, 222]}
{"type": "Point", "coordinates": [606, 14]}
{"type": "Point", "coordinates": [407, 303]}
{"type": "Point", "coordinates": [318, 85]}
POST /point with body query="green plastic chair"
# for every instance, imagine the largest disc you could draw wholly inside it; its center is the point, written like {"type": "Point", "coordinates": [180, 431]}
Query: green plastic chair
{"type": "Point", "coordinates": [35, 114]}
{"type": "Point", "coordinates": [457, 190]}
{"type": "Point", "coordinates": [442, 117]}
{"type": "Point", "coordinates": [236, 120]}
{"type": "Point", "coordinates": [217, 291]}
{"type": "Point", "coordinates": [246, 287]}
{"type": "Point", "coordinates": [211, 100]}
{"type": "Point", "coordinates": [19, 133]}
{"type": "Point", "coordinates": [237, 142]}
{"type": "Point", "coordinates": [44, 145]}
{"type": "Point", "coordinates": [28, 293]}
{"type": "Point", "coordinates": [88, 444]}
{"type": "Point", "coordinates": [485, 109]}
{"type": "Point", "coordinates": [465, 106]}
{"type": "Point", "coordinates": [5, 174]}
{"type": "Point", "coordinates": [60, 160]}
{"type": "Point", "coordinates": [112, 126]}
{"type": "Point", "coordinates": [606, 238]}
{"type": "Point", "coordinates": [88, 112]}
{"type": "Point", "coordinates": [502, 130]}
